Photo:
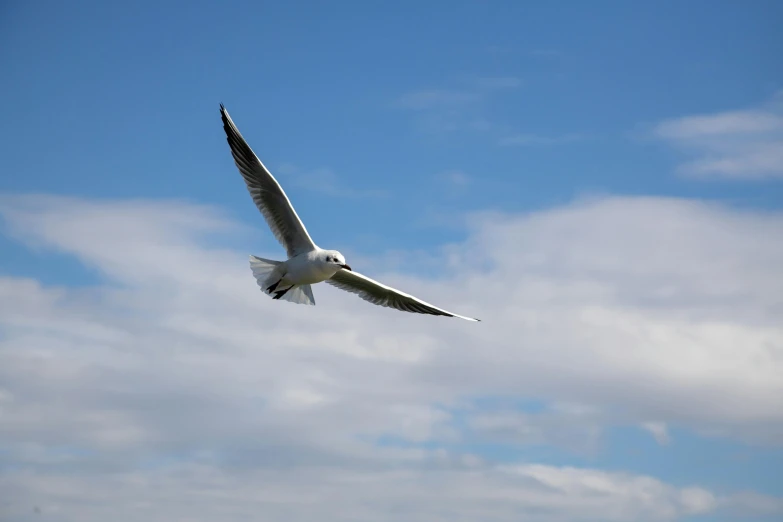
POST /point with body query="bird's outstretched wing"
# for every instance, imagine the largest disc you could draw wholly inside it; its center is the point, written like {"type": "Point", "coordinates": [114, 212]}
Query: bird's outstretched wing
{"type": "Point", "coordinates": [382, 295]}
{"type": "Point", "coordinates": [267, 193]}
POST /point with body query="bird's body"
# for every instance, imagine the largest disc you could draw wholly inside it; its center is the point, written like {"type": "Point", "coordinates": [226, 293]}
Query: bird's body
{"type": "Point", "coordinates": [310, 268]}
{"type": "Point", "coordinates": [307, 263]}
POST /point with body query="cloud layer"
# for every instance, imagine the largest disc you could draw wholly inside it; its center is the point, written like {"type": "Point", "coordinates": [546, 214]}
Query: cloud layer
{"type": "Point", "coordinates": [172, 388]}
{"type": "Point", "coordinates": [744, 144]}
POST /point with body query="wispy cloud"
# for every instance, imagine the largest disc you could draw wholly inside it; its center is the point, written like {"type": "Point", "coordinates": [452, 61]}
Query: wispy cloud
{"type": "Point", "coordinates": [531, 140]}
{"type": "Point", "coordinates": [659, 431]}
{"type": "Point", "coordinates": [577, 432]}
{"type": "Point", "coordinates": [542, 52]}
{"type": "Point", "coordinates": [742, 144]}
{"type": "Point", "coordinates": [453, 183]}
{"type": "Point", "coordinates": [457, 178]}
{"type": "Point", "coordinates": [444, 110]}
{"type": "Point", "coordinates": [495, 83]}
{"type": "Point", "coordinates": [433, 98]}
{"type": "Point", "coordinates": [545, 53]}
{"type": "Point", "coordinates": [326, 182]}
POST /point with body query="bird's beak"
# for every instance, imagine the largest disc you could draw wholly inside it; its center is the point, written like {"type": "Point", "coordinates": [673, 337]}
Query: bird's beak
{"type": "Point", "coordinates": [346, 267]}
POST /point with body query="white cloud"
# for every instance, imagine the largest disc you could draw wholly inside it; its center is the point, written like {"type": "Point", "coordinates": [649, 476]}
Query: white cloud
{"type": "Point", "coordinates": [737, 122]}
{"type": "Point", "coordinates": [744, 144]}
{"type": "Point", "coordinates": [444, 489]}
{"type": "Point", "coordinates": [578, 432]}
{"type": "Point", "coordinates": [659, 431]}
{"type": "Point", "coordinates": [749, 502]}
{"type": "Point", "coordinates": [173, 389]}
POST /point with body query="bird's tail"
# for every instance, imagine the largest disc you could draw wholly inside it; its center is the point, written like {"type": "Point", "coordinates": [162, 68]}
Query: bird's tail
{"type": "Point", "coordinates": [299, 294]}
{"type": "Point", "coordinates": [265, 271]}
{"type": "Point", "coordinates": [267, 276]}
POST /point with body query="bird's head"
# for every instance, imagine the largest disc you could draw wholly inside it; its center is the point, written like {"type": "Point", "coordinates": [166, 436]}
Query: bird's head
{"type": "Point", "coordinates": [333, 257]}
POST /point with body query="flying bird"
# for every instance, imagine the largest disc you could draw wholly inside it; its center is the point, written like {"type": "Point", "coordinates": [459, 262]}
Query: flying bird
{"type": "Point", "coordinates": [307, 264]}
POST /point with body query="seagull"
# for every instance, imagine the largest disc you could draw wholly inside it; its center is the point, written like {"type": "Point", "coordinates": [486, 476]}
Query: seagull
{"type": "Point", "coordinates": [307, 264]}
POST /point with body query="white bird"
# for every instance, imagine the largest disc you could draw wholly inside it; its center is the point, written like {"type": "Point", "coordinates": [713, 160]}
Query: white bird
{"type": "Point", "coordinates": [307, 264]}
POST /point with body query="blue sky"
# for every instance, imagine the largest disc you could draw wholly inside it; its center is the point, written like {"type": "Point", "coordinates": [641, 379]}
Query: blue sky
{"type": "Point", "coordinates": [622, 160]}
